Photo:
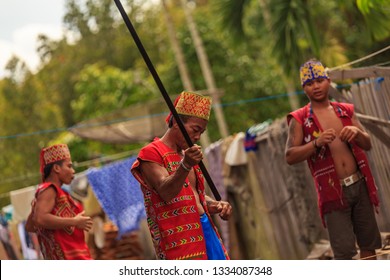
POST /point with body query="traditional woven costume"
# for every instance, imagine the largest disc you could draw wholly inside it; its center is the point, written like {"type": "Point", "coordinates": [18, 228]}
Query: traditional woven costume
{"type": "Point", "coordinates": [176, 226]}
{"type": "Point", "coordinates": [67, 243]}
{"type": "Point", "coordinates": [321, 164]}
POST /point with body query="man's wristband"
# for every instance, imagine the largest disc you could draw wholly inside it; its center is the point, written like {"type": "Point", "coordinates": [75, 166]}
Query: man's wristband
{"type": "Point", "coordinates": [184, 166]}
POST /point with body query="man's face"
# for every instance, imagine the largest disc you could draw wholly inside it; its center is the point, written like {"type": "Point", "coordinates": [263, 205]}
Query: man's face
{"type": "Point", "coordinates": [66, 171]}
{"type": "Point", "coordinates": [317, 89]}
{"type": "Point", "coordinates": [195, 128]}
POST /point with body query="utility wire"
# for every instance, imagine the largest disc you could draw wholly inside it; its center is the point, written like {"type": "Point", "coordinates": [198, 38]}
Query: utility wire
{"type": "Point", "coordinates": [127, 153]}
{"type": "Point", "coordinates": [120, 155]}
{"type": "Point", "coordinates": [97, 124]}
{"type": "Point", "coordinates": [87, 163]}
{"type": "Point", "coordinates": [360, 59]}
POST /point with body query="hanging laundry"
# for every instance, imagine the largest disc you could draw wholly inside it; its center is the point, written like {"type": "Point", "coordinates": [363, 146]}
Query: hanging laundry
{"type": "Point", "coordinates": [215, 158]}
{"type": "Point", "coordinates": [253, 132]}
{"type": "Point", "coordinates": [28, 250]}
{"type": "Point", "coordinates": [119, 194]}
{"type": "Point", "coordinates": [21, 201]}
{"type": "Point", "coordinates": [236, 154]}
{"type": "Point", "coordinates": [79, 185]}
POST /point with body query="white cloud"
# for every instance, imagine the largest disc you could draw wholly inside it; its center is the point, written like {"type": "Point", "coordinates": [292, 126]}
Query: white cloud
{"type": "Point", "coordinates": [24, 43]}
{"type": "Point", "coordinates": [23, 20]}
{"type": "Point", "coordinates": [5, 54]}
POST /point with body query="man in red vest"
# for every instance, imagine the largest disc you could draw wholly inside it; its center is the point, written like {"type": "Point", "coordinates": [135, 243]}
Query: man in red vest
{"type": "Point", "coordinates": [57, 219]}
{"type": "Point", "coordinates": [179, 212]}
{"type": "Point", "coordinates": [330, 137]}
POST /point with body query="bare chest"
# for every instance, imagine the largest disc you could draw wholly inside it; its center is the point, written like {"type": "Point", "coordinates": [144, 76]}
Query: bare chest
{"type": "Point", "coordinates": [328, 119]}
{"type": "Point", "coordinates": [193, 182]}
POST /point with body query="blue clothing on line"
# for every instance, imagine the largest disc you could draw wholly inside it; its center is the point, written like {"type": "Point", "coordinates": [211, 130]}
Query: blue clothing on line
{"type": "Point", "coordinates": [119, 194]}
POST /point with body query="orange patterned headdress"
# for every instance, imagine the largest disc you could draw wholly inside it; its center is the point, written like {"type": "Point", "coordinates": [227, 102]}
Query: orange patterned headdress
{"type": "Point", "coordinates": [192, 104]}
{"type": "Point", "coordinates": [52, 154]}
{"type": "Point", "coordinates": [312, 70]}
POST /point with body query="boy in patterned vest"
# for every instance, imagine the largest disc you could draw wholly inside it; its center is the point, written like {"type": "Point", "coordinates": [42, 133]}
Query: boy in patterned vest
{"type": "Point", "coordinates": [330, 137]}
{"type": "Point", "coordinates": [57, 219]}
{"type": "Point", "coordinates": [178, 210]}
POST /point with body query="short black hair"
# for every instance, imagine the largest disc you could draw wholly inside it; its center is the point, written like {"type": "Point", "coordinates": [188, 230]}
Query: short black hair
{"type": "Point", "coordinates": [49, 167]}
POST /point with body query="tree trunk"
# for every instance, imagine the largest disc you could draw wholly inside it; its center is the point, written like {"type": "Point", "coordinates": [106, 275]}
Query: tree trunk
{"type": "Point", "coordinates": [181, 63]}
{"type": "Point", "coordinates": [206, 71]}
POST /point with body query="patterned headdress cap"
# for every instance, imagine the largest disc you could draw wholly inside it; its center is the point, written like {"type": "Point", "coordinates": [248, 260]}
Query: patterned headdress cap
{"type": "Point", "coordinates": [192, 104]}
{"type": "Point", "coordinates": [312, 70]}
{"type": "Point", "coordinates": [52, 154]}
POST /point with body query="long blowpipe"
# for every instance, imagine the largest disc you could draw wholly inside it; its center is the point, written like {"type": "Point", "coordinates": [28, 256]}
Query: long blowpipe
{"type": "Point", "coordinates": [164, 93]}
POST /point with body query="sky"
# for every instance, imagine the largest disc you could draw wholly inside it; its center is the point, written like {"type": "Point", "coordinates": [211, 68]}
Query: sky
{"type": "Point", "coordinates": [21, 22]}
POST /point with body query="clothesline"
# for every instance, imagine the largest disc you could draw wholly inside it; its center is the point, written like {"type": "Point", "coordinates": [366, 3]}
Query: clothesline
{"type": "Point", "coordinates": [105, 159]}
{"type": "Point", "coordinates": [120, 155]}
{"type": "Point", "coordinates": [87, 163]}
{"type": "Point", "coordinates": [238, 102]}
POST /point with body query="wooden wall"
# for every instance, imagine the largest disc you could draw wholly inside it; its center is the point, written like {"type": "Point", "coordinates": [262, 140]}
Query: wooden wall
{"type": "Point", "coordinates": [276, 213]}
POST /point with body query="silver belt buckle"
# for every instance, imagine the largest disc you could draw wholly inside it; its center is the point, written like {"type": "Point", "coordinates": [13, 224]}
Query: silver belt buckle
{"type": "Point", "coordinates": [348, 181]}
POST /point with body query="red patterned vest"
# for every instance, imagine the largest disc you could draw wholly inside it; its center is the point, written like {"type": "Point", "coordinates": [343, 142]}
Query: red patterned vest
{"type": "Point", "coordinates": [175, 226]}
{"type": "Point", "coordinates": [321, 164]}
{"type": "Point", "coordinates": [62, 244]}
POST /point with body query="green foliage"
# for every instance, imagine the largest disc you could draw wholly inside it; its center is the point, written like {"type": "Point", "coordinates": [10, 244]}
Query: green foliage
{"type": "Point", "coordinates": [230, 14]}
{"type": "Point", "coordinates": [377, 16]}
{"type": "Point", "coordinates": [292, 22]}
{"type": "Point", "coordinates": [301, 29]}
{"type": "Point", "coordinates": [101, 70]}
{"type": "Point", "coordinates": [102, 90]}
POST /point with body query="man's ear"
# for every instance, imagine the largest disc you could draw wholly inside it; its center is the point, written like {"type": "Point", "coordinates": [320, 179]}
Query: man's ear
{"type": "Point", "coordinates": [56, 168]}
{"type": "Point", "coordinates": [174, 123]}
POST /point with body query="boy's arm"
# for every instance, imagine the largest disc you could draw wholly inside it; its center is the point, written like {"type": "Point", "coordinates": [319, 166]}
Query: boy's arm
{"type": "Point", "coordinates": [44, 218]}
{"type": "Point", "coordinates": [296, 152]}
{"type": "Point", "coordinates": [356, 133]}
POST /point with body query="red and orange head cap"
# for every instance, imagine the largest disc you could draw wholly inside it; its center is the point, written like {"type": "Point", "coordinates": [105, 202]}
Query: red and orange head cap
{"type": "Point", "coordinates": [53, 154]}
{"type": "Point", "coordinates": [192, 104]}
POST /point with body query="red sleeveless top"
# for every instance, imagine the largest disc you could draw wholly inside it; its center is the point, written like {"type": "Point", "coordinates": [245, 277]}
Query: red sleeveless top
{"type": "Point", "coordinates": [62, 244]}
{"type": "Point", "coordinates": [321, 164]}
{"type": "Point", "coordinates": [175, 226]}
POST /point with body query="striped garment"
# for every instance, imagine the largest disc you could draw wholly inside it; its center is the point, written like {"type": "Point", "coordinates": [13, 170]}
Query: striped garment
{"type": "Point", "coordinates": [175, 226]}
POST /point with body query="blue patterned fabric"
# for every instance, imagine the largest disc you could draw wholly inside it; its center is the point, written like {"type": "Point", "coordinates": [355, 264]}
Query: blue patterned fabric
{"type": "Point", "coordinates": [119, 194]}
